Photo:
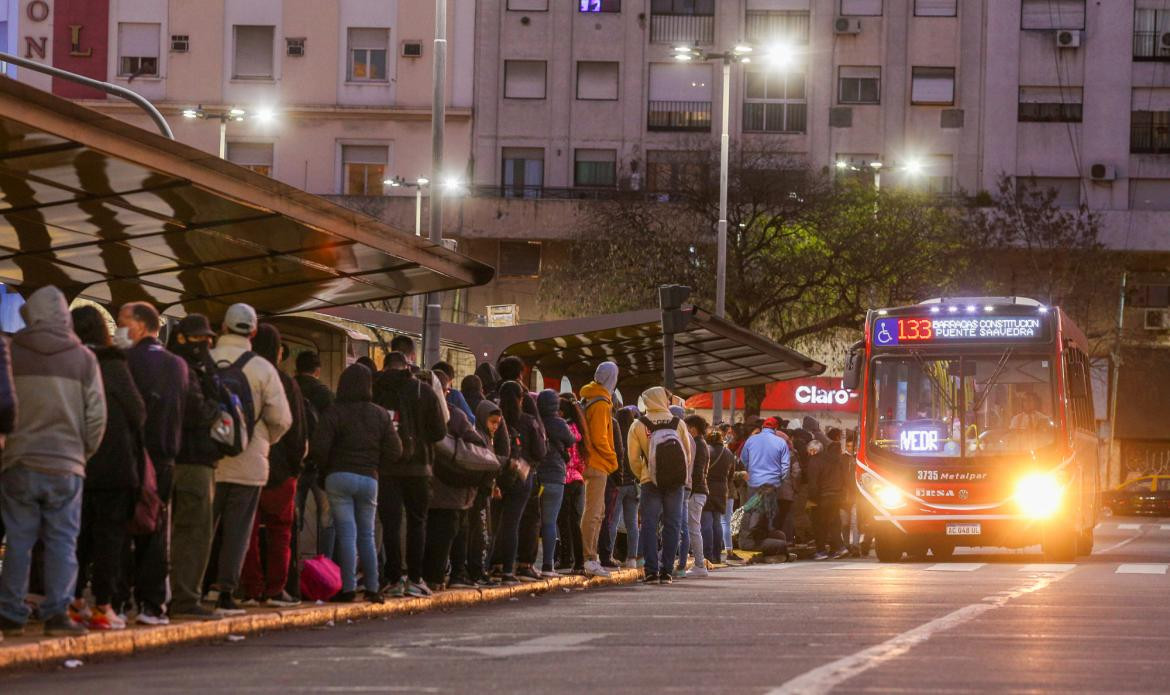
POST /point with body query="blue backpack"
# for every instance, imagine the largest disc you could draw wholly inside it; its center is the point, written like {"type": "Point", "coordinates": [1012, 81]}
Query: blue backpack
{"type": "Point", "coordinates": [233, 428]}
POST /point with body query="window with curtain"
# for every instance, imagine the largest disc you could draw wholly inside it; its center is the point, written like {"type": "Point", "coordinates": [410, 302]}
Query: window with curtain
{"type": "Point", "coordinates": [253, 52]}
{"type": "Point", "coordinates": [1149, 132]}
{"type": "Point", "coordinates": [364, 168]}
{"type": "Point", "coordinates": [597, 80]}
{"type": "Point", "coordinates": [1052, 14]}
{"type": "Point", "coordinates": [1149, 28]}
{"type": "Point", "coordinates": [138, 48]}
{"type": "Point", "coordinates": [256, 156]}
{"type": "Point", "coordinates": [595, 168]}
{"type": "Point", "coordinates": [935, 8]}
{"type": "Point", "coordinates": [684, 7]}
{"type": "Point", "coordinates": [932, 86]}
{"type": "Point", "coordinates": [367, 54]}
{"type": "Point", "coordinates": [771, 26]}
{"type": "Point", "coordinates": [859, 85]}
{"type": "Point", "coordinates": [861, 8]}
{"type": "Point", "coordinates": [523, 172]}
{"type": "Point", "coordinates": [1050, 104]}
{"type": "Point", "coordinates": [524, 79]}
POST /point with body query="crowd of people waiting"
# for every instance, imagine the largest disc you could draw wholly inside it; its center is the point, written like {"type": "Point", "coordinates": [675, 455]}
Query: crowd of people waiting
{"type": "Point", "coordinates": [170, 481]}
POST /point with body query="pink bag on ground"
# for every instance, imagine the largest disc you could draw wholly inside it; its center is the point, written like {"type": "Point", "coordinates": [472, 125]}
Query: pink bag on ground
{"type": "Point", "coordinates": [320, 579]}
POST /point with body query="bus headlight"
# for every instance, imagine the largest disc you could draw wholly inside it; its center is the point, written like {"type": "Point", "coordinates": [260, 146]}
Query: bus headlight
{"type": "Point", "coordinates": [888, 496]}
{"type": "Point", "coordinates": [1039, 495]}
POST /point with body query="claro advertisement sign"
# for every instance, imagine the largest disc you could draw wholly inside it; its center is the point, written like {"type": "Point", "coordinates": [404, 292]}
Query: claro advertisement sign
{"type": "Point", "coordinates": [818, 393]}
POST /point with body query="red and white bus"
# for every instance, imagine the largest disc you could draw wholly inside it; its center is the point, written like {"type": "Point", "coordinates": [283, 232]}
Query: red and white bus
{"type": "Point", "coordinates": [976, 428]}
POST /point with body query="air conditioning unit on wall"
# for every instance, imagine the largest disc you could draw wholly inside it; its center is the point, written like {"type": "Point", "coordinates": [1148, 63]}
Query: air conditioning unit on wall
{"type": "Point", "coordinates": [1068, 38]}
{"type": "Point", "coordinates": [847, 25]}
{"type": "Point", "coordinates": [1102, 172]}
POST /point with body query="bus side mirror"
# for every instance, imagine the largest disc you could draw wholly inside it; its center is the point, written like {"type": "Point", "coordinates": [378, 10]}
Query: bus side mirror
{"type": "Point", "coordinates": [854, 366]}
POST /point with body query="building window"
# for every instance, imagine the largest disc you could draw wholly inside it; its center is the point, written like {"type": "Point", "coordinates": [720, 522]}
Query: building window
{"type": "Point", "coordinates": [1149, 132]}
{"type": "Point", "coordinates": [680, 97]}
{"type": "Point", "coordinates": [936, 176]}
{"type": "Point", "coordinates": [597, 80]}
{"type": "Point", "coordinates": [595, 168]}
{"type": "Point", "coordinates": [519, 259]}
{"type": "Point", "coordinates": [1066, 191]}
{"type": "Point", "coordinates": [933, 86]}
{"type": "Point", "coordinates": [682, 21]}
{"type": "Point", "coordinates": [935, 8]}
{"type": "Point", "coordinates": [599, 5]}
{"type": "Point", "coordinates": [367, 54]}
{"type": "Point", "coordinates": [861, 8]}
{"type": "Point", "coordinates": [256, 156]}
{"type": "Point", "coordinates": [524, 79]}
{"type": "Point", "coordinates": [859, 85]}
{"type": "Point", "coordinates": [253, 54]}
{"type": "Point", "coordinates": [523, 172]}
{"type": "Point", "coordinates": [364, 168]}
{"type": "Point", "coordinates": [1151, 34]}
{"type": "Point", "coordinates": [1050, 104]}
{"type": "Point", "coordinates": [672, 171]}
{"type": "Point", "coordinates": [774, 101]}
{"type": "Point", "coordinates": [1052, 14]}
{"type": "Point", "coordinates": [528, 5]}
{"type": "Point", "coordinates": [138, 49]}
{"type": "Point", "coordinates": [778, 26]}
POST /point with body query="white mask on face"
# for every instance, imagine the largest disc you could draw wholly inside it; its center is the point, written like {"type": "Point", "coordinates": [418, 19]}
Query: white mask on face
{"type": "Point", "coordinates": [122, 338]}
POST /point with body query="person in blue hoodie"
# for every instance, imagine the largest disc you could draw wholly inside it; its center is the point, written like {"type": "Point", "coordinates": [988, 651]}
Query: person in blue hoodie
{"type": "Point", "coordinates": [550, 474]}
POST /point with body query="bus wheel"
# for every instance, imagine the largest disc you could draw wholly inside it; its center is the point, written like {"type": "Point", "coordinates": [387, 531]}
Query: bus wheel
{"type": "Point", "coordinates": [889, 548]}
{"type": "Point", "coordinates": [942, 550]}
{"type": "Point", "coordinates": [1059, 544]}
{"type": "Point", "coordinates": [1085, 542]}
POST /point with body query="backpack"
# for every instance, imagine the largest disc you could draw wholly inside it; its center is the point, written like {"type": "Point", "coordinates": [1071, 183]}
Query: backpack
{"type": "Point", "coordinates": [233, 429]}
{"type": "Point", "coordinates": [668, 455]}
{"type": "Point", "coordinates": [404, 421]}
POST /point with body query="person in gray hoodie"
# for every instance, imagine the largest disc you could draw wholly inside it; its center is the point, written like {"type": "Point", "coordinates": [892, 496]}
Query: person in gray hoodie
{"type": "Point", "coordinates": [42, 473]}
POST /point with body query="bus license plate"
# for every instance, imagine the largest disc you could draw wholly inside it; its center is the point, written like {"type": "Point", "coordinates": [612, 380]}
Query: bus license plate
{"type": "Point", "coordinates": [964, 529]}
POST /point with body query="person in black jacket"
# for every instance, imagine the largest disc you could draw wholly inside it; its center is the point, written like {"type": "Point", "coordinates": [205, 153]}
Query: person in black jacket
{"type": "Point", "coordinates": [828, 477]}
{"type": "Point", "coordinates": [626, 505]}
{"type": "Point", "coordinates": [528, 447]}
{"type": "Point", "coordinates": [418, 413]}
{"type": "Point", "coordinates": [489, 378]}
{"type": "Point", "coordinates": [471, 540]}
{"type": "Point", "coordinates": [194, 488]}
{"type": "Point", "coordinates": [719, 482]}
{"type": "Point", "coordinates": [276, 512]}
{"type": "Point", "coordinates": [354, 442]}
{"type": "Point", "coordinates": [696, 500]}
{"type": "Point", "coordinates": [550, 474]}
{"type": "Point", "coordinates": [537, 445]}
{"type": "Point", "coordinates": [316, 398]}
{"type": "Point", "coordinates": [111, 478]}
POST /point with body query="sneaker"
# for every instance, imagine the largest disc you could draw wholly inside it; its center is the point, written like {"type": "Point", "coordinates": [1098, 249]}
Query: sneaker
{"type": "Point", "coordinates": [486, 583]}
{"type": "Point", "coordinates": [225, 606]}
{"type": "Point", "coordinates": [460, 582]}
{"type": "Point", "coordinates": [821, 556]}
{"type": "Point", "coordinates": [61, 625]}
{"type": "Point", "coordinates": [153, 616]}
{"type": "Point", "coordinates": [105, 620]}
{"type": "Point", "coordinates": [284, 600]}
{"type": "Point", "coordinates": [343, 597]}
{"type": "Point", "coordinates": [680, 573]}
{"type": "Point", "coordinates": [593, 568]}
{"type": "Point", "coordinates": [610, 564]}
{"type": "Point", "coordinates": [395, 590]}
{"type": "Point", "coordinates": [528, 574]}
{"type": "Point", "coordinates": [630, 564]}
{"type": "Point", "coordinates": [80, 614]}
{"type": "Point", "coordinates": [419, 589]}
{"type": "Point", "coordinates": [699, 571]}
{"type": "Point", "coordinates": [11, 628]}
{"type": "Point", "coordinates": [212, 596]}
{"type": "Point", "coordinates": [195, 612]}
{"type": "Point", "coordinates": [843, 552]}
{"type": "Point", "coordinates": [508, 580]}
{"type": "Point", "coordinates": [251, 603]}
{"type": "Point", "coordinates": [374, 597]}
{"type": "Point", "coordinates": [664, 578]}
{"type": "Point", "coordinates": [650, 579]}
{"type": "Point", "coordinates": [550, 574]}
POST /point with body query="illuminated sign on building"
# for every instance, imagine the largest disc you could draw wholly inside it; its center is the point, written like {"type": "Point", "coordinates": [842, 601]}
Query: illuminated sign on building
{"type": "Point", "coordinates": [987, 329]}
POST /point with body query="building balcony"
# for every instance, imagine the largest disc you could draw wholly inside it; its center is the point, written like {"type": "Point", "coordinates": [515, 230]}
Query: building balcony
{"type": "Point", "coordinates": [690, 116]}
{"type": "Point", "coordinates": [682, 28]}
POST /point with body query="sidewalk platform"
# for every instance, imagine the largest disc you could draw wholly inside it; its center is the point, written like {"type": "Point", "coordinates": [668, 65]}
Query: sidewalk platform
{"type": "Point", "coordinates": [34, 650]}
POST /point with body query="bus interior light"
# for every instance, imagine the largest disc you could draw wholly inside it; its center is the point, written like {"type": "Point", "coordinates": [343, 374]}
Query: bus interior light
{"type": "Point", "coordinates": [1039, 495]}
{"type": "Point", "coordinates": [953, 309]}
{"type": "Point", "coordinates": [934, 310]}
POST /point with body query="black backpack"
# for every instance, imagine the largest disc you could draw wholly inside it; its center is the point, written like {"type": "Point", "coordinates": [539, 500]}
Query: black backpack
{"type": "Point", "coordinates": [237, 408]}
{"type": "Point", "coordinates": [668, 456]}
{"type": "Point", "coordinates": [404, 420]}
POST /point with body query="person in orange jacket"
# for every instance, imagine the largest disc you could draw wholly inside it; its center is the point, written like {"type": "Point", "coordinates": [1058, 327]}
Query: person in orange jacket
{"type": "Point", "coordinates": [600, 458]}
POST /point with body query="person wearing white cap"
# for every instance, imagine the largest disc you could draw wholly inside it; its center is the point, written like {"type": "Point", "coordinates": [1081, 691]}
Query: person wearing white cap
{"type": "Point", "coordinates": [239, 479]}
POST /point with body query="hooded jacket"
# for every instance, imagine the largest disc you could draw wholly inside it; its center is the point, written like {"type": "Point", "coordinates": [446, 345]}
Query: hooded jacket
{"type": "Point", "coordinates": [829, 471]}
{"type": "Point", "coordinates": [490, 378]}
{"type": "Point", "coordinates": [420, 419]}
{"type": "Point", "coordinates": [59, 388]}
{"type": "Point", "coordinates": [354, 435]}
{"type": "Point", "coordinates": [560, 440]}
{"type": "Point", "coordinates": [597, 397]}
{"type": "Point", "coordinates": [273, 417]}
{"type": "Point", "coordinates": [444, 496]}
{"type": "Point", "coordinates": [500, 441]}
{"type": "Point", "coordinates": [472, 389]}
{"type": "Point", "coordinates": [719, 479]}
{"type": "Point", "coordinates": [638, 441]}
{"type": "Point", "coordinates": [287, 455]}
{"type": "Point", "coordinates": [116, 463]}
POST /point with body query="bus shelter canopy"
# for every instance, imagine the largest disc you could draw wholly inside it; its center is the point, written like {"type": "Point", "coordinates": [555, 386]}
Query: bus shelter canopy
{"type": "Point", "coordinates": [113, 213]}
{"type": "Point", "coordinates": [710, 354]}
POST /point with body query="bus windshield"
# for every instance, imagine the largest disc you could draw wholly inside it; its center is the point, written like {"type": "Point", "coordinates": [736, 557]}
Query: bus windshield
{"type": "Point", "coordinates": [961, 407]}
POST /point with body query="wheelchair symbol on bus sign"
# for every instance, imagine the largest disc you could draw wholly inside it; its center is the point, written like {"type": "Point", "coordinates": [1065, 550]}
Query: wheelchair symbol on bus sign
{"type": "Point", "coordinates": [884, 337]}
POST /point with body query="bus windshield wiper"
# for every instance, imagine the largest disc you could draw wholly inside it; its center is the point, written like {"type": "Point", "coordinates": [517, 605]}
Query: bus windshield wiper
{"type": "Point", "coordinates": [934, 382]}
{"type": "Point", "coordinates": [999, 367]}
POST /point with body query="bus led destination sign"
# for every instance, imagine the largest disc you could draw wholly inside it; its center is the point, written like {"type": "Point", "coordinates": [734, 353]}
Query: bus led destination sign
{"type": "Point", "coordinates": [959, 329]}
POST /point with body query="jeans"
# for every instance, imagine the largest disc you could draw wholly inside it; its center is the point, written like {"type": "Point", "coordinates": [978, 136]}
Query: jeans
{"type": "Point", "coordinates": [276, 513]}
{"type": "Point", "coordinates": [442, 526]}
{"type": "Point", "coordinates": [594, 510]}
{"type": "Point", "coordinates": [235, 508]}
{"type": "Point", "coordinates": [511, 507]}
{"type": "Point", "coordinates": [725, 520]}
{"type": "Point", "coordinates": [414, 495]}
{"type": "Point", "coordinates": [712, 536]}
{"type": "Point", "coordinates": [353, 499]}
{"type": "Point", "coordinates": [693, 538]}
{"type": "Point", "coordinates": [569, 522]}
{"type": "Point", "coordinates": [104, 514]}
{"type": "Point", "coordinates": [193, 526]}
{"type": "Point", "coordinates": [550, 508]}
{"type": "Point", "coordinates": [39, 505]}
{"type": "Point", "coordinates": [667, 506]}
{"type": "Point", "coordinates": [626, 510]}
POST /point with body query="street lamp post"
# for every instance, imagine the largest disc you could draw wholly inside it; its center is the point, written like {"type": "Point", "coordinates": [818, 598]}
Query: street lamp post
{"type": "Point", "coordinates": [418, 185]}
{"type": "Point", "coordinates": [432, 318]}
{"type": "Point", "coordinates": [233, 113]}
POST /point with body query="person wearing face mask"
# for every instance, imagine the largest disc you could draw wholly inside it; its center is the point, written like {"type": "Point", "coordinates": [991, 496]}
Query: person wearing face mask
{"type": "Point", "coordinates": [194, 493]}
{"type": "Point", "coordinates": [162, 379]}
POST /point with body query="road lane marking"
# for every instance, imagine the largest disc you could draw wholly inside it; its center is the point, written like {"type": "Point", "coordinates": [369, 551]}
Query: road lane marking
{"type": "Point", "coordinates": [1047, 568]}
{"type": "Point", "coordinates": [828, 676]}
{"type": "Point", "coordinates": [562, 642]}
{"type": "Point", "coordinates": [1142, 568]}
{"type": "Point", "coordinates": [956, 567]}
{"type": "Point", "coordinates": [1129, 527]}
{"type": "Point", "coordinates": [1117, 545]}
{"type": "Point", "coordinates": [1166, 527]}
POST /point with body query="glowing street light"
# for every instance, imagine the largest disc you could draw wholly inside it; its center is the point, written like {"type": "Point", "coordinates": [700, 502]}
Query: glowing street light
{"type": "Point", "coordinates": [264, 114]}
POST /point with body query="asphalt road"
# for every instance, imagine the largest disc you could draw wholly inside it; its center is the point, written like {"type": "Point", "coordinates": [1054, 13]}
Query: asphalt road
{"type": "Point", "coordinates": [986, 622]}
